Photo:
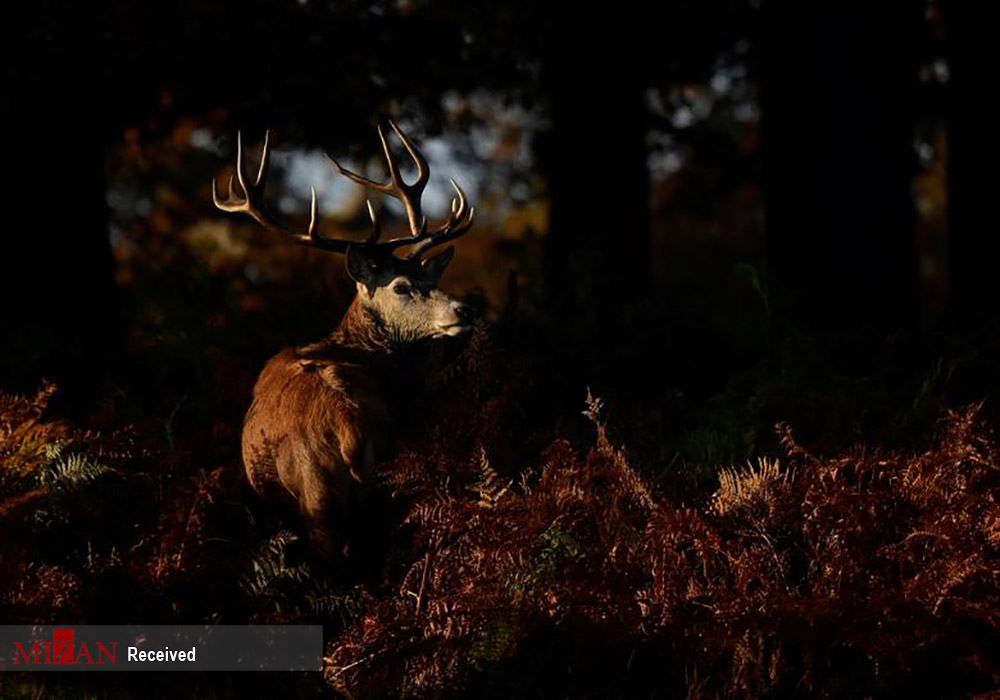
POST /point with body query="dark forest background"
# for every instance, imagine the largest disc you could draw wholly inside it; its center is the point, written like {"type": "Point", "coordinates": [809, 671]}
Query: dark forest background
{"type": "Point", "coordinates": [717, 216]}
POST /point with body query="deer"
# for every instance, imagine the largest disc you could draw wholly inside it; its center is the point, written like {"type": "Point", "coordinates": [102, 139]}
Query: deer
{"type": "Point", "coordinates": [323, 415]}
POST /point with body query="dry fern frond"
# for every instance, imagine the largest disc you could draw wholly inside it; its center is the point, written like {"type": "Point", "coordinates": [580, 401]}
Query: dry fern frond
{"type": "Point", "coordinates": [488, 486]}
{"type": "Point", "coordinates": [789, 444]}
{"type": "Point", "coordinates": [180, 535]}
{"type": "Point", "coordinates": [24, 436]}
{"type": "Point", "coordinates": [991, 526]}
{"type": "Point", "coordinates": [473, 364]}
{"type": "Point", "coordinates": [594, 406]}
{"type": "Point", "coordinates": [47, 588]}
{"type": "Point", "coordinates": [752, 488]}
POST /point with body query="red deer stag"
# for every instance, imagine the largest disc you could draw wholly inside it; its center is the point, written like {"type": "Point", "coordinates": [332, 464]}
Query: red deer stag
{"type": "Point", "coordinates": [324, 414]}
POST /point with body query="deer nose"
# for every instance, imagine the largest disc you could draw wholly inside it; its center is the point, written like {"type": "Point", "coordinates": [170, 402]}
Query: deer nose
{"type": "Point", "coordinates": [466, 312]}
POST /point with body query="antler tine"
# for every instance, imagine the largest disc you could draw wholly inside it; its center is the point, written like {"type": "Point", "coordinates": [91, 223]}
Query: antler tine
{"type": "Point", "coordinates": [395, 179]}
{"type": "Point", "coordinates": [445, 235]}
{"type": "Point", "coordinates": [423, 172]}
{"type": "Point", "coordinates": [385, 187]}
{"type": "Point", "coordinates": [421, 238]}
{"type": "Point", "coordinates": [458, 207]}
{"type": "Point", "coordinates": [409, 195]}
{"type": "Point", "coordinates": [311, 231]}
{"type": "Point", "coordinates": [265, 155]}
{"type": "Point", "coordinates": [252, 202]}
{"type": "Point", "coordinates": [459, 222]}
{"type": "Point", "coordinates": [376, 226]}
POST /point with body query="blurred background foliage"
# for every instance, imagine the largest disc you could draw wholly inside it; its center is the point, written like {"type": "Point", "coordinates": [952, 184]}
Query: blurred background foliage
{"type": "Point", "coordinates": [661, 232]}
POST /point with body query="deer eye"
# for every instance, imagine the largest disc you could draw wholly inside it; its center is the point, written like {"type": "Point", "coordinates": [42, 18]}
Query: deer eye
{"type": "Point", "coordinates": [401, 288]}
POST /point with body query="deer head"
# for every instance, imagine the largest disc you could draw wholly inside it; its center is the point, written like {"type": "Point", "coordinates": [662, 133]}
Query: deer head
{"type": "Point", "coordinates": [398, 294]}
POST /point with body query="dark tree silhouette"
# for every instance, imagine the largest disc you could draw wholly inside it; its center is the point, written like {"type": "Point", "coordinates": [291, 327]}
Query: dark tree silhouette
{"type": "Point", "coordinates": [598, 247]}
{"type": "Point", "coordinates": [60, 315]}
{"type": "Point", "coordinates": [598, 65]}
{"type": "Point", "coordinates": [838, 89]}
{"type": "Point", "coordinates": [973, 156]}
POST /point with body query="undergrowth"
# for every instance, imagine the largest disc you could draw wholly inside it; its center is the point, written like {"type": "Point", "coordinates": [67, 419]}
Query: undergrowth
{"type": "Point", "coordinates": [548, 561]}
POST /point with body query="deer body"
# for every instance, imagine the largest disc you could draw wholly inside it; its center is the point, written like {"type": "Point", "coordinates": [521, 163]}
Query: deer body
{"type": "Point", "coordinates": [321, 418]}
{"type": "Point", "coordinates": [303, 434]}
{"type": "Point", "coordinates": [323, 415]}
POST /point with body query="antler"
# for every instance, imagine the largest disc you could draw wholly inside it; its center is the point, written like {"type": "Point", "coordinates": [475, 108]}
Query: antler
{"type": "Point", "coordinates": [251, 202]}
{"type": "Point", "coordinates": [421, 238]}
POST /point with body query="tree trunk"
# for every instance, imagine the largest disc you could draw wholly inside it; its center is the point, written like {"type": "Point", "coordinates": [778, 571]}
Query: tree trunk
{"type": "Point", "coordinates": [60, 316]}
{"type": "Point", "coordinates": [838, 89]}
{"type": "Point", "coordinates": [597, 252]}
{"type": "Point", "coordinates": [973, 153]}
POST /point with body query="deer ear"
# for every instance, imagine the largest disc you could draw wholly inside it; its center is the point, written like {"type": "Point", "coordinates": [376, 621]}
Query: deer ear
{"type": "Point", "coordinates": [435, 267]}
{"type": "Point", "coordinates": [360, 267]}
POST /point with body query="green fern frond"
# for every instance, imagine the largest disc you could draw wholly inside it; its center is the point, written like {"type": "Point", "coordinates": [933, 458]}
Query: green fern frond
{"type": "Point", "coordinates": [269, 569]}
{"type": "Point", "coordinates": [70, 472]}
{"type": "Point", "coordinates": [495, 643]}
{"type": "Point", "coordinates": [53, 450]}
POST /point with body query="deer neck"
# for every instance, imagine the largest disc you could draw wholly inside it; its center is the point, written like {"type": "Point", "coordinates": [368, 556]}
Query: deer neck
{"type": "Point", "coordinates": [361, 356]}
{"type": "Point", "coordinates": [363, 340]}
{"type": "Point", "coordinates": [362, 330]}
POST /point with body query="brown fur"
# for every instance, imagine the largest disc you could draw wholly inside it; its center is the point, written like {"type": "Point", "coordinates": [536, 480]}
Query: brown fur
{"type": "Point", "coordinates": [324, 414]}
